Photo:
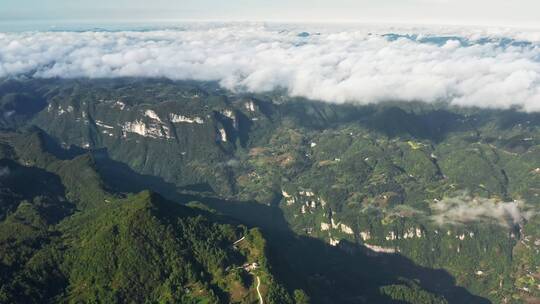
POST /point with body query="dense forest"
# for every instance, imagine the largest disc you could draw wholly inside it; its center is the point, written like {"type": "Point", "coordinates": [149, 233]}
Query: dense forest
{"type": "Point", "coordinates": [137, 190]}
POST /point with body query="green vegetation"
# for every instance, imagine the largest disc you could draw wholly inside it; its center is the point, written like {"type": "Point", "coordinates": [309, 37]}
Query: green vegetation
{"type": "Point", "coordinates": [322, 182]}
{"type": "Point", "coordinates": [66, 238]}
{"type": "Point", "coordinates": [411, 294]}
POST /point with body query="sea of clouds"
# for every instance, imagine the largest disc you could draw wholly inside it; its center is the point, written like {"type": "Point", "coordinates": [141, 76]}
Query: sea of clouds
{"type": "Point", "coordinates": [362, 64]}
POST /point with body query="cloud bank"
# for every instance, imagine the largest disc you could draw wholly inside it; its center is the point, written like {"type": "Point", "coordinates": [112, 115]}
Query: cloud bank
{"type": "Point", "coordinates": [357, 64]}
{"type": "Point", "coordinates": [464, 210]}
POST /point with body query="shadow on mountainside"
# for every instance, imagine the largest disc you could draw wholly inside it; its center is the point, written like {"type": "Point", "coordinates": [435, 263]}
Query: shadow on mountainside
{"type": "Point", "coordinates": [123, 179]}
{"type": "Point", "coordinates": [410, 119]}
{"type": "Point", "coordinates": [348, 273]}
{"type": "Point", "coordinates": [42, 189]}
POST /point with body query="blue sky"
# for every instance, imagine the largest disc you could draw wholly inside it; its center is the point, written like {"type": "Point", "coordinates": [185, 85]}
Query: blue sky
{"type": "Point", "coordinates": [482, 12]}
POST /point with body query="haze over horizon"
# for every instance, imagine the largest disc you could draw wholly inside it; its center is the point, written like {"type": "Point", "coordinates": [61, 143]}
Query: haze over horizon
{"type": "Point", "coordinates": [457, 12]}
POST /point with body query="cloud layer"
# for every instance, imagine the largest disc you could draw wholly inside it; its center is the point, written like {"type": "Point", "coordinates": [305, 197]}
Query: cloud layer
{"type": "Point", "coordinates": [334, 64]}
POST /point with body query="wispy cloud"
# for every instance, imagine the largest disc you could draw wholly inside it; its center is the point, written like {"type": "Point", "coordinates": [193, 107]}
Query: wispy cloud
{"type": "Point", "coordinates": [362, 65]}
{"type": "Point", "coordinates": [4, 172]}
{"type": "Point", "coordinates": [465, 209]}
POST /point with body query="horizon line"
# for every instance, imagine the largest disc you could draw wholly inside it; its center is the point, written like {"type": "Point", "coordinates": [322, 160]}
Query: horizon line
{"type": "Point", "coordinates": [143, 22]}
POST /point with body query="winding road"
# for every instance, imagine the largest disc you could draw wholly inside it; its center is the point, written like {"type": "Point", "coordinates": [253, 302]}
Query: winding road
{"type": "Point", "coordinates": [241, 239]}
{"type": "Point", "coordinates": [258, 291]}
{"type": "Point", "coordinates": [261, 301]}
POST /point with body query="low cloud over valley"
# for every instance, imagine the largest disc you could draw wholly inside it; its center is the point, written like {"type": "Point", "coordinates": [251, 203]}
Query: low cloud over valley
{"type": "Point", "coordinates": [465, 209]}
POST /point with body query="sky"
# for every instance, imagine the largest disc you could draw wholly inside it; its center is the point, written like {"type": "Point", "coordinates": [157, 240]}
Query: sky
{"type": "Point", "coordinates": [521, 13]}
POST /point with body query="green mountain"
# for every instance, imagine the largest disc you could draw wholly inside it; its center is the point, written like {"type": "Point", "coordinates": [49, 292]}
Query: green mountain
{"type": "Point", "coordinates": [385, 203]}
{"type": "Point", "coordinates": [66, 238]}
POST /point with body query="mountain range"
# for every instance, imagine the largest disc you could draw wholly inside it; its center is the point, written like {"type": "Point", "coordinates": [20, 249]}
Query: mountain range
{"type": "Point", "coordinates": [158, 191]}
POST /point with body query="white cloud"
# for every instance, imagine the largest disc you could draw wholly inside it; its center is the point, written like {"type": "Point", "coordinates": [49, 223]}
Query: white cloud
{"type": "Point", "coordinates": [342, 64]}
{"type": "Point", "coordinates": [465, 209]}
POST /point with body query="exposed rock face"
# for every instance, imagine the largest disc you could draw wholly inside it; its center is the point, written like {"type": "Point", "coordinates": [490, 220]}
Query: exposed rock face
{"type": "Point", "coordinates": [325, 226]}
{"type": "Point", "coordinates": [178, 118]}
{"type": "Point", "coordinates": [222, 135]}
{"type": "Point", "coordinates": [333, 242]}
{"type": "Point", "coordinates": [339, 226]}
{"type": "Point", "coordinates": [141, 128]}
{"type": "Point", "coordinates": [381, 249]}
{"type": "Point", "coordinates": [103, 125]}
{"type": "Point", "coordinates": [391, 236]}
{"type": "Point", "coordinates": [346, 229]}
{"type": "Point", "coordinates": [120, 105]}
{"type": "Point", "coordinates": [334, 224]}
{"type": "Point", "coordinates": [152, 115]}
{"type": "Point", "coordinates": [138, 127]}
{"type": "Point", "coordinates": [231, 116]}
{"type": "Point", "coordinates": [365, 235]}
{"type": "Point", "coordinates": [250, 106]}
